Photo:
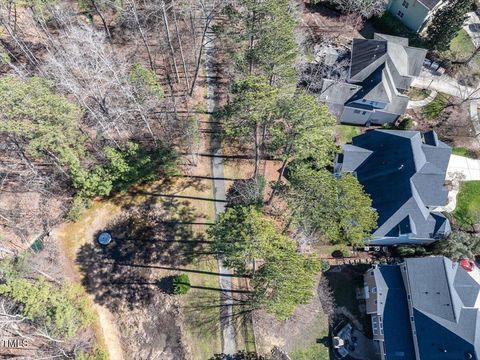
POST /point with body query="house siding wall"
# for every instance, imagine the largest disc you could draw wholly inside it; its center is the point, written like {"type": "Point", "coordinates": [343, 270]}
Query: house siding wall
{"type": "Point", "coordinates": [414, 16]}
{"type": "Point", "coordinates": [380, 118]}
{"type": "Point", "coordinates": [355, 116]}
{"type": "Point", "coordinates": [369, 282]}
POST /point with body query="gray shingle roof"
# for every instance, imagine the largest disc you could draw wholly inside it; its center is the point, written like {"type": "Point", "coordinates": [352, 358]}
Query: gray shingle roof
{"type": "Point", "coordinates": [367, 56]}
{"type": "Point", "coordinates": [378, 68]}
{"type": "Point", "coordinates": [392, 305]}
{"type": "Point", "coordinates": [446, 316]}
{"type": "Point", "coordinates": [404, 175]}
{"type": "Point", "coordinates": [443, 305]}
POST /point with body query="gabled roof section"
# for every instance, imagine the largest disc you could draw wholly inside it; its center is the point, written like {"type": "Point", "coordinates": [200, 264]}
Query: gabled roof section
{"type": "Point", "coordinates": [338, 92]}
{"type": "Point", "coordinates": [367, 56]}
{"type": "Point", "coordinates": [403, 180]}
{"type": "Point", "coordinates": [444, 302]}
{"type": "Point", "coordinates": [429, 287]}
{"type": "Point", "coordinates": [394, 311]}
{"type": "Point", "coordinates": [356, 156]}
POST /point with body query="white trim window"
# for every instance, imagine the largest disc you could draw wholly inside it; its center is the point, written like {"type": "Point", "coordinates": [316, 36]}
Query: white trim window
{"type": "Point", "coordinates": [400, 14]}
{"type": "Point", "coordinates": [374, 325]}
{"type": "Point", "coordinates": [405, 4]}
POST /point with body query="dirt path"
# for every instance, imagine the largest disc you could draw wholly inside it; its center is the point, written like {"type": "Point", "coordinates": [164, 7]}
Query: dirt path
{"type": "Point", "coordinates": [69, 240]}
{"type": "Point", "coordinates": [110, 332]}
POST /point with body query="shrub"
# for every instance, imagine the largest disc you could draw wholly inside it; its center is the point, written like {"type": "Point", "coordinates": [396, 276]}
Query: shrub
{"type": "Point", "coordinates": [131, 165]}
{"type": "Point", "coordinates": [406, 124]}
{"type": "Point", "coordinates": [462, 151]}
{"type": "Point", "coordinates": [341, 251]}
{"type": "Point", "coordinates": [181, 284]}
{"type": "Point", "coordinates": [79, 205]}
{"type": "Point", "coordinates": [145, 83]}
{"type": "Point", "coordinates": [97, 355]}
{"type": "Point", "coordinates": [410, 250]}
{"type": "Point", "coordinates": [247, 191]}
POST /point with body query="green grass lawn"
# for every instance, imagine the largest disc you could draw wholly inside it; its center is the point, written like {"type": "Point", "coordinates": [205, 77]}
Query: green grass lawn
{"type": "Point", "coordinates": [461, 47]}
{"type": "Point", "coordinates": [434, 109]}
{"type": "Point", "coordinates": [347, 132]}
{"type": "Point", "coordinates": [461, 151]}
{"type": "Point", "coordinates": [467, 212]}
{"type": "Point", "coordinates": [314, 352]}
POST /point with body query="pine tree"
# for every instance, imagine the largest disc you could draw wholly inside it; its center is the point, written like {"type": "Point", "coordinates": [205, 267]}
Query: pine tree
{"type": "Point", "coordinates": [446, 23]}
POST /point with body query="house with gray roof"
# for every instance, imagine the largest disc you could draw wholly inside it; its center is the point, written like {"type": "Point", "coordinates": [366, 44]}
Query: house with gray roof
{"type": "Point", "coordinates": [404, 174]}
{"type": "Point", "coordinates": [425, 308]}
{"type": "Point", "coordinates": [380, 69]}
{"type": "Point", "coordinates": [414, 14]}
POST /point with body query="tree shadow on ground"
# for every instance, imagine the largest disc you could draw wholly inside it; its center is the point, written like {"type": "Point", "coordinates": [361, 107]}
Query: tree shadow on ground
{"type": "Point", "coordinates": [143, 244]}
{"type": "Point", "coordinates": [207, 309]}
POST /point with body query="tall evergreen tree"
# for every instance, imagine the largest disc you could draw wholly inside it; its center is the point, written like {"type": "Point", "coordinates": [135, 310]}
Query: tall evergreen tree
{"type": "Point", "coordinates": [338, 210]}
{"type": "Point", "coordinates": [446, 23]}
{"type": "Point", "coordinates": [250, 243]}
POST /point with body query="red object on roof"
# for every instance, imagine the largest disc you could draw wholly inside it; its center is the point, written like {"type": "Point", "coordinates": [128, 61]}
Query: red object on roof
{"type": "Point", "coordinates": [467, 264]}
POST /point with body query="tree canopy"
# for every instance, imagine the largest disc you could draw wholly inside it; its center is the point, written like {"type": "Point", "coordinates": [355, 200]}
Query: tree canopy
{"type": "Point", "coordinates": [446, 23]}
{"type": "Point", "coordinates": [63, 310]}
{"type": "Point", "coordinates": [249, 242]}
{"type": "Point", "coordinates": [457, 245]}
{"type": "Point", "coordinates": [304, 130]}
{"type": "Point", "coordinates": [337, 209]}
{"type": "Point", "coordinates": [31, 110]}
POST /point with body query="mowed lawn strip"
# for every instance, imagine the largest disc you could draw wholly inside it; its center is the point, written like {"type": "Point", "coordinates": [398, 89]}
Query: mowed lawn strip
{"type": "Point", "coordinates": [467, 212]}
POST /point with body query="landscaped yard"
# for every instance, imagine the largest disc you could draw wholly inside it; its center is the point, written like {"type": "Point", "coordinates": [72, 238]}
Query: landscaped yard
{"type": "Point", "coordinates": [433, 109]}
{"type": "Point", "coordinates": [345, 133]}
{"type": "Point", "coordinates": [467, 212]}
{"type": "Point", "coordinates": [461, 47]}
{"type": "Point", "coordinates": [314, 352]}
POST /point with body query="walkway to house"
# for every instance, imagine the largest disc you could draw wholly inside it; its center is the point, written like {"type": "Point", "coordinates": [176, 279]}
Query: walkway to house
{"type": "Point", "coordinates": [469, 168]}
{"type": "Point", "coordinates": [413, 104]}
{"type": "Point", "coordinates": [459, 169]}
{"type": "Point", "coordinates": [448, 85]}
{"type": "Point", "coordinates": [444, 83]}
